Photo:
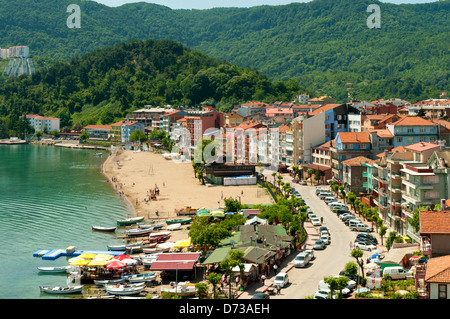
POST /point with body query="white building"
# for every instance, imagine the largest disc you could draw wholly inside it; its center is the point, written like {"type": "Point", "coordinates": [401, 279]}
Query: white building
{"type": "Point", "coordinates": [41, 122]}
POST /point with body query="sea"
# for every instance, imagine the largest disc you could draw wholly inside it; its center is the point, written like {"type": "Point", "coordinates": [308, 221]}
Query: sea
{"type": "Point", "coordinates": [50, 197]}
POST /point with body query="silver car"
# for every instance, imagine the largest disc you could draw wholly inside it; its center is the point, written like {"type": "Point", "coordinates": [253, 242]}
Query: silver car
{"type": "Point", "coordinates": [301, 260]}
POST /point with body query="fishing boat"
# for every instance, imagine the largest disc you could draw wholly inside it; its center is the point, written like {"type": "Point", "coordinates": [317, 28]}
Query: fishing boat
{"type": "Point", "coordinates": [140, 248]}
{"type": "Point", "coordinates": [138, 232]}
{"type": "Point", "coordinates": [108, 282]}
{"type": "Point", "coordinates": [159, 237]}
{"type": "Point", "coordinates": [152, 226]}
{"type": "Point", "coordinates": [61, 290]}
{"type": "Point", "coordinates": [174, 226]}
{"type": "Point", "coordinates": [184, 290]}
{"type": "Point", "coordinates": [123, 247]}
{"type": "Point", "coordinates": [140, 277]}
{"type": "Point", "coordinates": [181, 221]}
{"type": "Point", "coordinates": [98, 154]}
{"type": "Point", "coordinates": [124, 290]}
{"type": "Point", "coordinates": [107, 229]}
{"type": "Point", "coordinates": [129, 221]}
{"type": "Point", "coordinates": [61, 269]}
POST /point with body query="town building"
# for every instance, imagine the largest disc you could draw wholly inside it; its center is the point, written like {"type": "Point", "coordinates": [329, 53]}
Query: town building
{"type": "Point", "coordinates": [43, 123]}
{"type": "Point", "coordinates": [99, 132]}
{"type": "Point", "coordinates": [127, 128]}
{"type": "Point", "coordinates": [413, 129]}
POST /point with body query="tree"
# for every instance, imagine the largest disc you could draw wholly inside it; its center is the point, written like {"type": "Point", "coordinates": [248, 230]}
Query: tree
{"type": "Point", "coordinates": [138, 135]}
{"type": "Point", "coordinates": [351, 198]}
{"type": "Point", "coordinates": [334, 283]}
{"type": "Point", "coordinates": [206, 235]}
{"type": "Point", "coordinates": [84, 136]}
{"type": "Point", "coordinates": [202, 289]}
{"type": "Point", "coordinates": [383, 230]}
{"type": "Point", "coordinates": [227, 265]}
{"type": "Point", "coordinates": [310, 174]}
{"type": "Point", "coordinates": [357, 254]}
{"type": "Point", "coordinates": [317, 175]}
{"type": "Point", "coordinates": [214, 279]}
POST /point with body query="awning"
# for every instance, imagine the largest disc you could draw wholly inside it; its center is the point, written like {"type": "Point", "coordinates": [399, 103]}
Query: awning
{"type": "Point", "coordinates": [174, 261]}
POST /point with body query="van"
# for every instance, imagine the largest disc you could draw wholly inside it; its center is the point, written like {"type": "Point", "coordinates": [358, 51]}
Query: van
{"type": "Point", "coordinates": [397, 272]}
{"type": "Point", "coordinates": [353, 222]}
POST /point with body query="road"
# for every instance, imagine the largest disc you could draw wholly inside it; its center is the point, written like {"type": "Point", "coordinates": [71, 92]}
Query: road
{"type": "Point", "coordinates": [328, 262]}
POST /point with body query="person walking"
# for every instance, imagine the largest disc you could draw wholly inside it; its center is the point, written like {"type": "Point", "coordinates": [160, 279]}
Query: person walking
{"type": "Point", "coordinates": [278, 289]}
{"type": "Point", "coordinates": [275, 268]}
{"type": "Point", "coordinates": [263, 278]}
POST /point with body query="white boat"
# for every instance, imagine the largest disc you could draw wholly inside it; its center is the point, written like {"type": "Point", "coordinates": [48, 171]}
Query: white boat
{"type": "Point", "coordinates": [140, 277]}
{"type": "Point", "coordinates": [61, 269]}
{"type": "Point", "coordinates": [152, 226]}
{"type": "Point", "coordinates": [174, 226]}
{"type": "Point", "coordinates": [139, 232]}
{"type": "Point", "coordinates": [134, 285]}
{"type": "Point", "coordinates": [124, 290]}
{"type": "Point", "coordinates": [184, 289]}
{"type": "Point", "coordinates": [123, 247]}
{"type": "Point", "coordinates": [108, 282]}
{"type": "Point", "coordinates": [61, 290]}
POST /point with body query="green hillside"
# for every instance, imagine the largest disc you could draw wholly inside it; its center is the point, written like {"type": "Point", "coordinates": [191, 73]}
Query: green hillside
{"type": "Point", "coordinates": [323, 44]}
{"type": "Point", "coordinates": [105, 85]}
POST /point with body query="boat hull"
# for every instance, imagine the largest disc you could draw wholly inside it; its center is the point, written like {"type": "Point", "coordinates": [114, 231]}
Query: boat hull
{"type": "Point", "coordinates": [105, 229]}
{"type": "Point", "coordinates": [61, 290]}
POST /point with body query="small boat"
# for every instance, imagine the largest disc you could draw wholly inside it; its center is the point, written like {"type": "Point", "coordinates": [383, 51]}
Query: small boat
{"type": "Point", "coordinates": [140, 248]}
{"type": "Point", "coordinates": [130, 221]}
{"type": "Point", "coordinates": [139, 284]}
{"type": "Point", "coordinates": [174, 226]}
{"type": "Point", "coordinates": [152, 226]}
{"type": "Point", "coordinates": [61, 290]}
{"type": "Point", "coordinates": [61, 269]}
{"type": "Point", "coordinates": [108, 282]}
{"type": "Point", "coordinates": [98, 154]}
{"type": "Point", "coordinates": [140, 277]}
{"type": "Point", "coordinates": [107, 229]}
{"type": "Point", "coordinates": [123, 247]}
{"type": "Point", "coordinates": [159, 237]}
{"type": "Point", "coordinates": [124, 290]}
{"type": "Point", "coordinates": [185, 290]}
{"type": "Point", "coordinates": [181, 221]}
{"type": "Point", "coordinates": [138, 232]}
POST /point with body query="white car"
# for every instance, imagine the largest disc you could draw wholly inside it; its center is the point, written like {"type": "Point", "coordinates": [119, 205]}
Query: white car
{"type": "Point", "coordinates": [315, 222]}
{"type": "Point", "coordinates": [322, 294]}
{"type": "Point", "coordinates": [301, 260]}
{"type": "Point", "coordinates": [281, 280]}
{"type": "Point", "coordinates": [364, 246]}
{"type": "Point", "coordinates": [325, 238]}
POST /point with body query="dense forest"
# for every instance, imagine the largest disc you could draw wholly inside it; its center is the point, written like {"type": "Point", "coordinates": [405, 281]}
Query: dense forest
{"type": "Point", "coordinates": [324, 45]}
{"type": "Point", "coordinates": [104, 85]}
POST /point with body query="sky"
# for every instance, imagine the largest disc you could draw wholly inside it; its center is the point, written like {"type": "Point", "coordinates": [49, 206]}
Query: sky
{"type": "Point", "coordinates": [207, 4]}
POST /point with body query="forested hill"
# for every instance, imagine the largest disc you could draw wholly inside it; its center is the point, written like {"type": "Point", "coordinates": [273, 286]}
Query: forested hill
{"type": "Point", "coordinates": [324, 44]}
{"type": "Point", "coordinates": [104, 85]}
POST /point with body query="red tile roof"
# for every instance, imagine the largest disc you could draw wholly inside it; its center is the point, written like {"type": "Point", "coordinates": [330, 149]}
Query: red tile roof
{"type": "Point", "coordinates": [397, 149]}
{"type": "Point", "coordinates": [324, 108]}
{"type": "Point", "coordinates": [357, 161]}
{"type": "Point", "coordinates": [422, 146]}
{"type": "Point", "coordinates": [435, 222]}
{"type": "Point", "coordinates": [413, 121]}
{"type": "Point", "coordinates": [354, 137]}
{"type": "Point", "coordinates": [438, 269]}
{"type": "Point", "coordinates": [105, 127]}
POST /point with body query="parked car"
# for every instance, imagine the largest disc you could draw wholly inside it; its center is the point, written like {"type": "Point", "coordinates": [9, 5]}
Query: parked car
{"type": "Point", "coordinates": [345, 215]}
{"type": "Point", "coordinates": [353, 221]}
{"type": "Point", "coordinates": [302, 182]}
{"type": "Point", "coordinates": [397, 272]}
{"type": "Point", "coordinates": [319, 244]}
{"type": "Point", "coordinates": [337, 205]}
{"type": "Point", "coordinates": [365, 246]}
{"type": "Point", "coordinates": [367, 235]}
{"type": "Point", "coordinates": [324, 228]}
{"type": "Point", "coordinates": [282, 279]}
{"type": "Point", "coordinates": [323, 195]}
{"type": "Point", "coordinates": [315, 222]}
{"type": "Point", "coordinates": [301, 260]}
{"type": "Point", "coordinates": [329, 199]}
{"type": "Point", "coordinates": [261, 295]}
{"type": "Point", "coordinates": [310, 252]}
{"type": "Point", "coordinates": [325, 238]}
{"type": "Point", "coordinates": [321, 190]}
{"type": "Point", "coordinates": [325, 286]}
{"type": "Point", "coordinates": [365, 241]}
{"type": "Point", "coordinates": [361, 227]}
{"type": "Point", "coordinates": [322, 294]}
{"type": "Point", "coordinates": [340, 211]}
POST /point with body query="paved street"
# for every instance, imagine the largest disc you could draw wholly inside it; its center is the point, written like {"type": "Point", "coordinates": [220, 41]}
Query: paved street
{"type": "Point", "coordinates": [327, 262]}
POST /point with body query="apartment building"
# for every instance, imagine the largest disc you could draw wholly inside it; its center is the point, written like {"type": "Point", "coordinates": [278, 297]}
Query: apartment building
{"type": "Point", "coordinates": [43, 123]}
{"type": "Point", "coordinates": [413, 129]}
{"type": "Point", "coordinates": [99, 132]}
{"type": "Point", "coordinates": [127, 128]}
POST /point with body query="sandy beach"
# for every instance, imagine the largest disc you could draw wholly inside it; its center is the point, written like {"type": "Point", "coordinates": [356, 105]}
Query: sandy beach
{"type": "Point", "coordinates": [137, 174]}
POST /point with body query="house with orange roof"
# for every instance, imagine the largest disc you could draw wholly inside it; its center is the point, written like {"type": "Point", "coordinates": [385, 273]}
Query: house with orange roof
{"type": "Point", "coordinates": [43, 123]}
{"type": "Point", "coordinates": [435, 232]}
{"type": "Point", "coordinates": [128, 127]}
{"type": "Point", "coordinates": [437, 277]}
{"type": "Point", "coordinates": [413, 129]}
{"type": "Point", "coordinates": [348, 145]}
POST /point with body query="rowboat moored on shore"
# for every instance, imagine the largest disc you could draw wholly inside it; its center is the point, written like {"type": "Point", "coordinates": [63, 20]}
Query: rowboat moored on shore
{"type": "Point", "coordinates": [124, 290]}
{"type": "Point", "coordinates": [140, 277]}
{"type": "Point", "coordinates": [61, 269]}
{"type": "Point", "coordinates": [108, 282]}
{"type": "Point", "coordinates": [106, 229]}
{"type": "Point", "coordinates": [175, 226]}
{"type": "Point", "coordinates": [138, 232]}
{"type": "Point", "coordinates": [61, 290]}
{"type": "Point", "coordinates": [184, 290]}
{"type": "Point", "coordinates": [123, 247]}
{"type": "Point", "coordinates": [181, 221]}
{"type": "Point", "coordinates": [129, 221]}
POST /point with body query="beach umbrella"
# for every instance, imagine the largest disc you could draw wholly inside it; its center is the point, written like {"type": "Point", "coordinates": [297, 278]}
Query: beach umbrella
{"type": "Point", "coordinates": [97, 262]}
{"type": "Point", "coordinates": [122, 257]}
{"type": "Point", "coordinates": [87, 256]}
{"type": "Point", "coordinates": [375, 260]}
{"type": "Point", "coordinates": [414, 258]}
{"type": "Point", "coordinates": [80, 262]}
{"type": "Point", "coordinates": [115, 264]}
{"type": "Point", "coordinates": [375, 256]}
{"type": "Point", "coordinates": [103, 257]}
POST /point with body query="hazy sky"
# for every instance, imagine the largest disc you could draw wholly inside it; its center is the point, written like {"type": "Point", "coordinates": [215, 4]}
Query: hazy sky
{"type": "Point", "coordinates": [207, 4]}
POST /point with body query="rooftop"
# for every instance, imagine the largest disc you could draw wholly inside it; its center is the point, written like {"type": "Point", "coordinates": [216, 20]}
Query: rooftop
{"type": "Point", "coordinates": [357, 161]}
{"type": "Point", "coordinates": [413, 121]}
{"type": "Point", "coordinates": [354, 137]}
{"type": "Point", "coordinates": [435, 222]}
{"type": "Point", "coordinates": [438, 269]}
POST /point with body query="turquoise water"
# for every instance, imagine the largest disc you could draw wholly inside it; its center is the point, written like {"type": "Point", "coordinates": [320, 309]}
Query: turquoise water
{"type": "Point", "coordinates": [49, 198]}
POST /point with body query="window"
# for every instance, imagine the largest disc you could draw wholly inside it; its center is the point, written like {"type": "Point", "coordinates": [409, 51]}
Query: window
{"type": "Point", "coordinates": [442, 291]}
{"type": "Point", "coordinates": [411, 130]}
{"type": "Point", "coordinates": [431, 194]}
{"type": "Point", "coordinates": [399, 139]}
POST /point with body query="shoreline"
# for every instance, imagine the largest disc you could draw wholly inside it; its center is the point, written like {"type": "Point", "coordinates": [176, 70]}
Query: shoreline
{"type": "Point", "coordinates": [130, 208]}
